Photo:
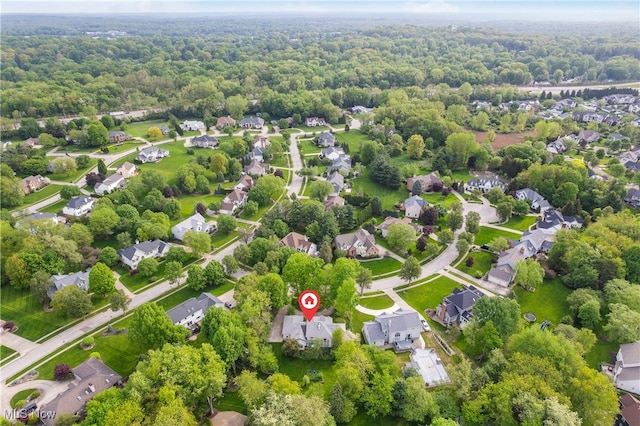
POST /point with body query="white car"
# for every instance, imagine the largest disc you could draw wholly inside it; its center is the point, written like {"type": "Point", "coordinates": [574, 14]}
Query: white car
{"type": "Point", "coordinates": [425, 325]}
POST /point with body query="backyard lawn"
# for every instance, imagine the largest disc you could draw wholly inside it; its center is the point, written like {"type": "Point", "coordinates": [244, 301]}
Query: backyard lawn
{"type": "Point", "coordinates": [482, 263]}
{"type": "Point", "coordinates": [55, 207]}
{"type": "Point", "coordinates": [167, 166]}
{"type": "Point", "coordinates": [357, 319]}
{"type": "Point", "coordinates": [521, 223]}
{"type": "Point", "coordinates": [36, 197]}
{"type": "Point", "coordinates": [437, 198]}
{"type": "Point", "coordinates": [388, 197]}
{"type": "Point", "coordinates": [487, 234]}
{"type": "Point", "coordinates": [140, 129]}
{"type": "Point", "coordinates": [73, 176]}
{"type": "Point", "coordinates": [354, 138]}
{"type": "Point", "coordinates": [377, 302]}
{"type": "Point", "coordinates": [307, 147]}
{"type": "Point", "coordinates": [136, 282]}
{"type": "Point", "coordinates": [382, 266]}
{"type": "Point", "coordinates": [547, 302]}
{"type": "Point", "coordinates": [430, 294]}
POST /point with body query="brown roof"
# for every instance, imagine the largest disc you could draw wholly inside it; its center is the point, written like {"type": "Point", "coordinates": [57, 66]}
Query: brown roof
{"type": "Point", "coordinates": [631, 410]}
{"type": "Point", "coordinates": [296, 241]}
{"type": "Point", "coordinates": [391, 220]}
{"type": "Point", "coordinates": [333, 201]}
{"type": "Point", "coordinates": [236, 195]}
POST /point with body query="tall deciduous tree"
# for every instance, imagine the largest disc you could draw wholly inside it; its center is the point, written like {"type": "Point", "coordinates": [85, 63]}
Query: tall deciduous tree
{"type": "Point", "coordinates": [623, 324]}
{"type": "Point", "coordinates": [198, 242]}
{"type": "Point", "coordinates": [119, 301]}
{"type": "Point", "coordinates": [147, 267]}
{"type": "Point", "coordinates": [410, 269]}
{"type": "Point", "coordinates": [415, 147]}
{"type": "Point", "coordinates": [101, 280]}
{"type": "Point", "coordinates": [226, 223]}
{"type": "Point", "coordinates": [196, 280]}
{"type": "Point", "coordinates": [173, 271]}
{"type": "Point", "coordinates": [72, 301]}
{"type": "Point", "coordinates": [364, 279]}
{"type": "Point", "coordinates": [401, 236]}
{"type": "Point", "coordinates": [529, 273]}
{"type": "Point", "coordinates": [504, 313]}
{"type": "Point", "coordinates": [152, 328]}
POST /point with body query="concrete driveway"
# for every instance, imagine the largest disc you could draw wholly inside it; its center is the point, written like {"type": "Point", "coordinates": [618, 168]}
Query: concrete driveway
{"type": "Point", "coordinates": [48, 389]}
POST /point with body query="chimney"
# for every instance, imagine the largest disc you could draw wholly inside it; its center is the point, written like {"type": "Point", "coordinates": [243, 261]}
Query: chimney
{"type": "Point", "coordinates": [91, 387]}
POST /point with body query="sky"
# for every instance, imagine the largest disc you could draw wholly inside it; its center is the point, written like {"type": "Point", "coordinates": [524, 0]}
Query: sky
{"type": "Point", "coordinates": [517, 10]}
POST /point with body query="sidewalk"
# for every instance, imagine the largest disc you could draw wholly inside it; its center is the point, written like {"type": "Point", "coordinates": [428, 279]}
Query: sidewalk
{"type": "Point", "coordinates": [17, 343]}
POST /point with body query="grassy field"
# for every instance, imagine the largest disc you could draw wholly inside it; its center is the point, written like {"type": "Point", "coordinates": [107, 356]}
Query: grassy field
{"type": "Point", "coordinates": [382, 266]}
{"type": "Point", "coordinates": [136, 282]}
{"type": "Point", "coordinates": [230, 401]}
{"type": "Point", "coordinates": [487, 234]}
{"type": "Point", "coordinates": [20, 396]}
{"type": "Point", "coordinates": [521, 223]}
{"type": "Point", "coordinates": [55, 207]}
{"type": "Point", "coordinates": [388, 197]}
{"type": "Point", "coordinates": [429, 295]}
{"type": "Point", "coordinates": [36, 197]}
{"type": "Point", "coordinates": [167, 166]}
{"type": "Point", "coordinates": [6, 352]}
{"type": "Point", "coordinates": [482, 263]}
{"type": "Point", "coordinates": [353, 138]}
{"type": "Point", "coordinates": [547, 302]}
{"type": "Point", "coordinates": [437, 198]}
{"type": "Point", "coordinates": [378, 302]}
{"type": "Point", "coordinates": [140, 129]}
{"type": "Point", "coordinates": [73, 176]}
{"type": "Point", "coordinates": [357, 319]}
{"type": "Point", "coordinates": [188, 203]}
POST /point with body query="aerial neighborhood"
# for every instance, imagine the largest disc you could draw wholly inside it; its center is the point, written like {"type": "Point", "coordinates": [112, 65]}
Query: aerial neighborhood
{"type": "Point", "coordinates": [470, 228]}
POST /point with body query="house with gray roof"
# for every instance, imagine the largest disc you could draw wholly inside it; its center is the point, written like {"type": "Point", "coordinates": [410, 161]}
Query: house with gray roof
{"type": "Point", "coordinates": [257, 168]}
{"type": "Point", "coordinates": [89, 379]}
{"type": "Point", "coordinates": [627, 368]}
{"type": "Point", "coordinates": [387, 329]}
{"type": "Point", "coordinates": [25, 221]}
{"type": "Point", "coordinates": [358, 244]}
{"type": "Point", "coordinates": [111, 183]}
{"type": "Point", "coordinates": [58, 282]}
{"type": "Point", "coordinates": [326, 139]}
{"type": "Point", "coordinates": [337, 181]}
{"type": "Point", "coordinates": [341, 164]}
{"type": "Point", "coordinates": [485, 184]}
{"type": "Point", "coordinates": [132, 255]}
{"type": "Point", "coordinates": [588, 136]}
{"type": "Point", "coordinates": [633, 198]}
{"type": "Point", "coordinates": [536, 201]}
{"type": "Point", "coordinates": [192, 126]}
{"type": "Point", "coordinates": [190, 312]}
{"type": "Point", "coordinates": [78, 206]}
{"type": "Point", "coordinates": [204, 141]}
{"type": "Point", "coordinates": [457, 307]}
{"type": "Point", "coordinates": [320, 329]}
{"type": "Point", "coordinates": [556, 147]}
{"type": "Point", "coordinates": [251, 123]}
{"type": "Point", "coordinates": [152, 154]}
{"type": "Point", "coordinates": [197, 223]}
{"type": "Point", "coordinates": [331, 153]}
{"type": "Point", "coordinates": [413, 206]}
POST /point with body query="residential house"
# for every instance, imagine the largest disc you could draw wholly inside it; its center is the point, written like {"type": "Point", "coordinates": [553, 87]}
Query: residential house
{"type": "Point", "coordinates": [46, 218]}
{"type": "Point", "coordinates": [629, 412]}
{"type": "Point", "coordinates": [358, 244]}
{"type": "Point", "coordinates": [502, 275]}
{"type": "Point", "coordinates": [245, 183]}
{"type": "Point", "coordinates": [190, 313]}
{"type": "Point", "coordinates": [485, 184]}
{"type": "Point", "coordinates": [33, 183]}
{"type": "Point", "coordinates": [257, 168]}
{"type": "Point", "coordinates": [588, 136]}
{"type": "Point", "coordinates": [553, 221]}
{"type": "Point", "coordinates": [127, 170]}
{"type": "Point", "coordinates": [165, 130]}
{"type": "Point", "coordinates": [556, 147]}
{"type": "Point", "coordinates": [536, 201]}
{"type": "Point", "coordinates": [252, 123]}
{"type": "Point", "coordinates": [332, 153]}
{"type": "Point", "coordinates": [429, 366]}
{"type": "Point", "coordinates": [58, 282]}
{"type": "Point", "coordinates": [620, 98]}
{"type": "Point", "coordinates": [413, 206]}
{"type": "Point", "coordinates": [225, 121]}
{"type": "Point", "coordinates": [195, 223]}
{"type": "Point", "coordinates": [256, 153]}
{"type": "Point", "coordinates": [320, 329]}
{"type": "Point", "coordinates": [89, 379]}
{"type": "Point", "coordinates": [112, 182]}
{"type": "Point", "coordinates": [341, 164]}
{"type": "Point", "coordinates": [192, 126]}
{"type": "Point", "coordinates": [119, 136]}
{"type": "Point", "coordinates": [78, 206]}
{"type": "Point", "coordinates": [428, 181]}
{"type": "Point", "coordinates": [261, 142]}
{"type": "Point", "coordinates": [204, 141]}
{"type": "Point", "coordinates": [457, 307]}
{"type": "Point", "coordinates": [482, 105]}
{"type": "Point", "coordinates": [633, 198]}
{"type": "Point", "coordinates": [337, 181]}
{"type": "Point", "coordinates": [30, 143]}
{"type": "Point", "coordinates": [132, 255]}
{"type": "Point", "coordinates": [315, 122]}
{"type": "Point", "coordinates": [384, 226]}
{"type": "Point", "coordinates": [627, 369]}
{"type": "Point", "coordinates": [326, 139]}
{"type": "Point", "coordinates": [233, 201]}
{"type": "Point", "coordinates": [299, 242]}
{"type": "Point", "coordinates": [333, 201]}
{"type": "Point", "coordinates": [152, 155]}
{"type": "Point", "coordinates": [387, 329]}
{"type": "Point", "coordinates": [568, 102]}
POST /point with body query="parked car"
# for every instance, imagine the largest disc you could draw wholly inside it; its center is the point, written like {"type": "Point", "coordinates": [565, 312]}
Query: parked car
{"type": "Point", "coordinates": [425, 325]}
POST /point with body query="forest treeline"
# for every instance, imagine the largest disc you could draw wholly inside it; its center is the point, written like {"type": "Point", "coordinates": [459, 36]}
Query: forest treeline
{"type": "Point", "coordinates": [44, 75]}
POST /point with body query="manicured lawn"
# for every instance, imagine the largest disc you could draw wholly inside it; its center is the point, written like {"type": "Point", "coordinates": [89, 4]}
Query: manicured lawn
{"type": "Point", "coordinates": [282, 161]}
{"type": "Point", "coordinates": [382, 266]}
{"type": "Point", "coordinates": [36, 197]}
{"type": "Point", "coordinates": [378, 302]}
{"type": "Point", "coordinates": [55, 207]}
{"type": "Point", "coordinates": [462, 175]}
{"type": "Point", "coordinates": [20, 396]}
{"type": "Point", "coordinates": [388, 197]}
{"type": "Point", "coordinates": [73, 176]}
{"type": "Point", "coordinates": [487, 234]}
{"type": "Point", "coordinates": [521, 223]}
{"type": "Point", "coordinates": [307, 147]}
{"type": "Point", "coordinates": [437, 198]}
{"type": "Point", "coordinates": [230, 401]}
{"type": "Point", "coordinates": [482, 262]}
{"type": "Point", "coordinates": [601, 352]}
{"type": "Point", "coordinates": [5, 352]}
{"type": "Point", "coordinates": [140, 129]}
{"type": "Point", "coordinates": [357, 319]}
{"type": "Point", "coordinates": [136, 282]}
{"type": "Point", "coordinates": [307, 129]}
{"type": "Point", "coordinates": [547, 302]}
{"type": "Point", "coordinates": [167, 166]}
{"type": "Point", "coordinates": [77, 149]}
{"type": "Point", "coordinates": [429, 295]}
{"type": "Point", "coordinates": [354, 138]}
{"type": "Point", "coordinates": [188, 203]}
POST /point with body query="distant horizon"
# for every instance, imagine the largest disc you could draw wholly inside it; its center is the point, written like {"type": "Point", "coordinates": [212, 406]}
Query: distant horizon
{"type": "Point", "coordinates": [484, 10]}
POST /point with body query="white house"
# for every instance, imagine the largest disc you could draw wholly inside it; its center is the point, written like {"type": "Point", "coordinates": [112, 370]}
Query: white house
{"type": "Point", "coordinates": [190, 312]}
{"type": "Point", "coordinates": [245, 183]}
{"type": "Point", "coordinates": [413, 206]}
{"type": "Point", "coordinates": [485, 184]}
{"type": "Point", "coordinates": [627, 368]}
{"type": "Point", "coordinates": [319, 329]}
{"type": "Point", "coordinates": [127, 170]}
{"type": "Point", "coordinates": [233, 201]}
{"type": "Point", "coordinates": [152, 155]}
{"type": "Point", "coordinates": [315, 122]}
{"type": "Point", "coordinates": [192, 126]}
{"type": "Point", "coordinates": [58, 282]}
{"type": "Point", "coordinates": [332, 153]}
{"type": "Point", "coordinates": [107, 186]}
{"type": "Point", "coordinates": [132, 255]}
{"type": "Point", "coordinates": [195, 223]}
{"type": "Point", "coordinates": [536, 201]}
{"type": "Point", "coordinates": [78, 206]}
{"type": "Point", "coordinates": [402, 325]}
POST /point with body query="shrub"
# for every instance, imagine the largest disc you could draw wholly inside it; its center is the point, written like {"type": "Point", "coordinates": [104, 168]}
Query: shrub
{"type": "Point", "coordinates": [20, 403]}
{"type": "Point", "coordinates": [291, 348]}
{"type": "Point", "coordinates": [34, 395]}
{"type": "Point", "coordinates": [291, 310]}
{"type": "Point", "coordinates": [478, 274]}
{"type": "Point", "coordinates": [62, 372]}
{"type": "Point", "coordinates": [469, 262]}
{"type": "Point", "coordinates": [95, 355]}
{"type": "Point", "coordinates": [9, 325]}
{"type": "Point", "coordinates": [88, 341]}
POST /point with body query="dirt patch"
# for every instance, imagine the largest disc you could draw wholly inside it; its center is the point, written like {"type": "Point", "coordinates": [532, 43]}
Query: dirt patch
{"type": "Point", "coordinates": [228, 418]}
{"type": "Point", "coordinates": [503, 140]}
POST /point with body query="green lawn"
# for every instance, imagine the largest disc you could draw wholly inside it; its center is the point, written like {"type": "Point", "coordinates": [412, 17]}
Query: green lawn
{"type": "Point", "coordinates": [78, 149]}
{"type": "Point", "coordinates": [6, 352]}
{"type": "Point", "coordinates": [307, 147]}
{"type": "Point", "coordinates": [547, 302]}
{"type": "Point", "coordinates": [487, 234]}
{"type": "Point", "coordinates": [601, 352]}
{"type": "Point", "coordinates": [357, 319]}
{"type": "Point", "coordinates": [20, 396]}
{"type": "Point", "coordinates": [188, 203]}
{"type": "Point", "coordinates": [230, 401]}
{"type": "Point", "coordinates": [429, 295]}
{"type": "Point", "coordinates": [136, 282]}
{"type": "Point", "coordinates": [167, 166]}
{"type": "Point", "coordinates": [307, 129]}
{"type": "Point", "coordinates": [55, 207]}
{"type": "Point", "coordinates": [382, 266]}
{"type": "Point", "coordinates": [73, 176]}
{"type": "Point", "coordinates": [462, 175]}
{"type": "Point", "coordinates": [36, 197]}
{"type": "Point", "coordinates": [388, 197]}
{"type": "Point", "coordinates": [354, 138]}
{"type": "Point", "coordinates": [482, 263]}
{"type": "Point", "coordinates": [378, 302]}
{"type": "Point", "coordinates": [437, 198]}
{"type": "Point", "coordinates": [140, 129]}
{"type": "Point", "coordinates": [521, 223]}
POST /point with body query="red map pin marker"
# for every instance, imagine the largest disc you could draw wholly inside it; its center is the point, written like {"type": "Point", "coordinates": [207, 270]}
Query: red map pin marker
{"type": "Point", "coordinates": [309, 302]}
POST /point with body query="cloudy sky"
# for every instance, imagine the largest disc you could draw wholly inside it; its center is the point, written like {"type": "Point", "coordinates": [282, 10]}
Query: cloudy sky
{"type": "Point", "coordinates": [531, 10]}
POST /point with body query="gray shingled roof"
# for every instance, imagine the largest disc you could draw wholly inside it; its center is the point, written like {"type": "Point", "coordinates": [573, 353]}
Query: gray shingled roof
{"type": "Point", "coordinates": [399, 321]}
{"type": "Point", "coordinates": [189, 306]}
{"type": "Point", "coordinates": [145, 247]}
{"type": "Point", "coordinates": [77, 202]}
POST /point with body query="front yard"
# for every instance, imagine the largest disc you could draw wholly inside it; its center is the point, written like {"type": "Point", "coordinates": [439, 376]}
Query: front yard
{"type": "Point", "coordinates": [382, 266]}
{"type": "Point", "coordinates": [430, 294]}
{"type": "Point", "coordinates": [482, 263]}
{"type": "Point", "coordinates": [487, 234]}
{"type": "Point", "coordinates": [377, 302]}
{"type": "Point", "coordinates": [36, 197]}
{"type": "Point", "coordinates": [520, 223]}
